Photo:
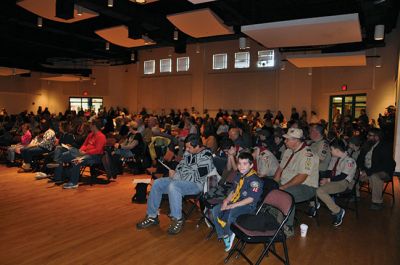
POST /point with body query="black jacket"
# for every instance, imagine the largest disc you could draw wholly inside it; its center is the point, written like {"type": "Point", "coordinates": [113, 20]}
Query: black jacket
{"type": "Point", "coordinates": [382, 159]}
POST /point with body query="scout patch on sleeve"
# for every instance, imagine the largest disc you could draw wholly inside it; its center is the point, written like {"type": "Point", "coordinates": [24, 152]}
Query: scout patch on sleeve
{"type": "Point", "coordinates": [307, 165]}
{"type": "Point", "coordinates": [255, 185]}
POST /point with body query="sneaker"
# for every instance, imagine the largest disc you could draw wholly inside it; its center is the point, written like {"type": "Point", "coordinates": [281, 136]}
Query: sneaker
{"type": "Point", "coordinates": [288, 231]}
{"type": "Point", "coordinates": [231, 239]}
{"type": "Point", "coordinates": [147, 222]}
{"type": "Point", "coordinates": [312, 211]}
{"type": "Point", "coordinates": [52, 165]}
{"type": "Point", "coordinates": [376, 206]}
{"type": "Point", "coordinates": [70, 185]}
{"type": "Point", "coordinates": [176, 226]}
{"type": "Point", "coordinates": [227, 242]}
{"type": "Point", "coordinates": [338, 218]}
{"type": "Point", "coordinates": [41, 175]}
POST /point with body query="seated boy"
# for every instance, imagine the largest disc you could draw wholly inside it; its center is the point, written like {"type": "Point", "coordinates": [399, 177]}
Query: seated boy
{"type": "Point", "coordinates": [342, 169]}
{"type": "Point", "coordinates": [242, 199]}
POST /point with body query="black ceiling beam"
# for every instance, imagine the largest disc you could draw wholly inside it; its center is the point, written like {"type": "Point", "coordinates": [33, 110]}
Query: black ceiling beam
{"type": "Point", "coordinates": [65, 9]}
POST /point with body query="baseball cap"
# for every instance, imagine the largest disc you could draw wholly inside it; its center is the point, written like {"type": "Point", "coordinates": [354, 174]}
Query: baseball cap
{"type": "Point", "coordinates": [294, 133]}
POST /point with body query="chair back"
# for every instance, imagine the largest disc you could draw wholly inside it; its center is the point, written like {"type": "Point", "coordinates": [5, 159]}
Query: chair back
{"type": "Point", "coordinates": [281, 200]}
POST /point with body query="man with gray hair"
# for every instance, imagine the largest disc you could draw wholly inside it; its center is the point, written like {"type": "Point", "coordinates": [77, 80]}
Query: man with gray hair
{"type": "Point", "coordinates": [298, 171]}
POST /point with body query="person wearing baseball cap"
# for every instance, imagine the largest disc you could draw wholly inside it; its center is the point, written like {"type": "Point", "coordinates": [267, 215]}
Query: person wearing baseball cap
{"type": "Point", "coordinates": [297, 172]}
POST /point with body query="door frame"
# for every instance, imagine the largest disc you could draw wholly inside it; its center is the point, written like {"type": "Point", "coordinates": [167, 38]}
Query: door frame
{"type": "Point", "coordinates": [353, 103]}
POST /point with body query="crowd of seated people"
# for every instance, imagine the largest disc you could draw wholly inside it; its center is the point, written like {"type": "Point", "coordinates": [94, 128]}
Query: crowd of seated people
{"type": "Point", "coordinates": [303, 156]}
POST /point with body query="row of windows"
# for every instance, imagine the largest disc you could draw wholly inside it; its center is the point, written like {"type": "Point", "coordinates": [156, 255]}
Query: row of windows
{"type": "Point", "coordinates": [220, 61]}
{"type": "Point", "coordinates": [182, 65]}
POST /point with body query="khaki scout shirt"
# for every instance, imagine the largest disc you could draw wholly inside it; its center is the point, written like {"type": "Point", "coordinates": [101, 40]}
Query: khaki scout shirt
{"type": "Point", "coordinates": [303, 162]}
{"type": "Point", "coordinates": [346, 165]}
{"type": "Point", "coordinates": [321, 149]}
{"type": "Point", "coordinates": [267, 164]}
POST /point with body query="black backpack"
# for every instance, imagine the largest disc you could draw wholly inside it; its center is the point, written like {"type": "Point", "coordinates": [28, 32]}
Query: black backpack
{"type": "Point", "coordinates": [140, 195]}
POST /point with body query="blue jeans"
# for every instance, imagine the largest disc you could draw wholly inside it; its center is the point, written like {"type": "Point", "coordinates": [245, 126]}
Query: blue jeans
{"type": "Point", "coordinates": [124, 153]}
{"type": "Point", "coordinates": [175, 189]}
{"type": "Point", "coordinates": [28, 152]}
{"type": "Point", "coordinates": [233, 215]}
{"type": "Point", "coordinates": [11, 152]}
{"type": "Point", "coordinates": [73, 172]}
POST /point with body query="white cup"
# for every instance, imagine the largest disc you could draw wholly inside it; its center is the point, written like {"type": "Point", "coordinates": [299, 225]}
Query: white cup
{"type": "Point", "coordinates": [303, 230]}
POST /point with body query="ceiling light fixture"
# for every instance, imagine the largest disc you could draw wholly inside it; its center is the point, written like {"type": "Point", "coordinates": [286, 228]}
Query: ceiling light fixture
{"type": "Point", "coordinates": [110, 3]}
{"type": "Point", "coordinates": [79, 11]}
{"type": "Point", "coordinates": [40, 22]}
{"type": "Point", "coordinates": [379, 32]}
{"type": "Point", "coordinates": [176, 34]}
{"type": "Point", "coordinates": [107, 46]}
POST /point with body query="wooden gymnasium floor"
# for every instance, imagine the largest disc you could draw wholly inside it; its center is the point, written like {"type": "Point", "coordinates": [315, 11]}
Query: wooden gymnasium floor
{"type": "Point", "coordinates": [43, 224]}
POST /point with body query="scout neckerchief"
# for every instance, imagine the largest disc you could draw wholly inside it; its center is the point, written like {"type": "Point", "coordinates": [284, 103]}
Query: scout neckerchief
{"type": "Point", "coordinates": [333, 172]}
{"type": "Point", "coordinates": [291, 156]}
{"type": "Point", "coordinates": [236, 194]}
{"type": "Point", "coordinates": [223, 215]}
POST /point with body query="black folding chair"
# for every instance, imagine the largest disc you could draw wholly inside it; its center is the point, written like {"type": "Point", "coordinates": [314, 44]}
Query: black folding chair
{"type": "Point", "coordinates": [366, 188]}
{"type": "Point", "coordinates": [278, 200]}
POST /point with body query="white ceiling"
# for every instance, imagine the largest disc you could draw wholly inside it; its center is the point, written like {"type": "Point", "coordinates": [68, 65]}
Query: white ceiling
{"type": "Point", "coordinates": [328, 60]}
{"type": "Point", "coordinates": [119, 36]}
{"type": "Point", "coordinates": [47, 9]}
{"type": "Point", "coordinates": [200, 23]}
{"type": "Point", "coordinates": [5, 71]}
{"type": "Point", "coordinates": [306, 32]}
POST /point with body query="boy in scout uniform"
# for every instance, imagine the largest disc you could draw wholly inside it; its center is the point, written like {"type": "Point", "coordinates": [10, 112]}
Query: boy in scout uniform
{"type": "Point", "coordinates": [298, 171]}
{"type": "Point", "coordinates": [320, 147]}
{"type": "Point", "coordinates": [342, 170]}
{"type": "Point", "coordinates": [242, 199]}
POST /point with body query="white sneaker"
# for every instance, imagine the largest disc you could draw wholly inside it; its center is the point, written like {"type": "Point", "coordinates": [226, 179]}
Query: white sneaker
{"type": "Point", "coordinates": [41, 175]}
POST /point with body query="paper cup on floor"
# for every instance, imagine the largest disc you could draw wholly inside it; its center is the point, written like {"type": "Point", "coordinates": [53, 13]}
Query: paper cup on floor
{"type": "Point", "coordinates": [303, 230]}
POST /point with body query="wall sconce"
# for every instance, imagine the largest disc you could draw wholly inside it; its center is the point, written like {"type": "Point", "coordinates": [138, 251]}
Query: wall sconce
{"type": "Point", "coordinates": [176, 34]}
{"type": "Point", "coordinates": [283, 65]}
{"type": "Point", "coordinates": [379, 33]}
{"type": "Point", "coordinates": [378, 62]}
{"type": "Point", "coordinates": [243, 43]}
{"type": "Point", "coordinates": [107, 46]}
{"type": "Point", "coordinates": [110, 3]}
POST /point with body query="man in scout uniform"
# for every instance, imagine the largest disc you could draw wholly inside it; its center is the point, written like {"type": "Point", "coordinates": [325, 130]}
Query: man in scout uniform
{"type": "Point", "coordinates": [298, 171]}
{"type": "Point", "coordinates": [320, 146]}
{"type": "Point", "coordinates": [342, 169]}
{"type": "Point", "coordinates": [243, 198]}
